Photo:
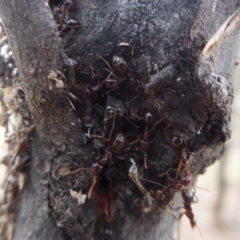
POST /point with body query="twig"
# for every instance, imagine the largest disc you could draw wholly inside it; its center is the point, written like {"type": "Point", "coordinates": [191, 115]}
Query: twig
{"type": "Point", "coordinates": [227, 27]}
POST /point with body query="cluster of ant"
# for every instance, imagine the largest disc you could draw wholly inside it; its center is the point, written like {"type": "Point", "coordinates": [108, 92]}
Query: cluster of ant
{"type": "Point", "coordinates": [119, 145]}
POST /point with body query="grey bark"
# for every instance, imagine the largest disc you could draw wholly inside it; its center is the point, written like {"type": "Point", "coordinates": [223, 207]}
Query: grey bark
{"type": "Point", "coordinates": [169, 34]}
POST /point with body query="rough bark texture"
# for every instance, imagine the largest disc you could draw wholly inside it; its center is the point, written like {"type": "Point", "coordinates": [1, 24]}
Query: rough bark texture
{"type": "Point", "coordinates": [163, 54]}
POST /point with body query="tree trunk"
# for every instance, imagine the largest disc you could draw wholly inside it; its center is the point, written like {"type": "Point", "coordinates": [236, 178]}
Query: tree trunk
{"type": "Point", "coordinates": [137, 59]}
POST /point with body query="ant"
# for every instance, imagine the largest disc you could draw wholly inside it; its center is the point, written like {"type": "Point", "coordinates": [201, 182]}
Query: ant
{"type": "Point", "coordinates": [185, 176]}
{"type": "Point", "coordinates": [60, 9]}
{"type": "Point", "coordinates": [71, 23]}
{"type": "Point", "coordinates": [183, 152]}
{"type": "Point", "coordinates": [121, 66]}
{"type": "Point", "coordinates": [187, 197]}
{"type": "Point", "coordinates": [90, 92]}
{"type": "Point", "coordinates": [118, 146]}
{"type": "Point", "coordinates": [143, 140]}
{"type": "Point", "coordinates": [119, 143]}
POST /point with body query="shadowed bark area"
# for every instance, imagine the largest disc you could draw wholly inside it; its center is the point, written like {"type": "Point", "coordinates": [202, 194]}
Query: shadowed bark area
{"type": "Point", "coordinates": [120, 135]}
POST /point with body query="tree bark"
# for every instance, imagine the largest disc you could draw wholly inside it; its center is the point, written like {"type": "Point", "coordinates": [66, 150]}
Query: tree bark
{"type": "Point", "coordinates": [161, 42]}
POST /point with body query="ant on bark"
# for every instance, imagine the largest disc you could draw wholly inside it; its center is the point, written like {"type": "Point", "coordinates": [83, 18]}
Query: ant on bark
{"type": "Point", "coordinates": [70, 23]}
{"type": "Point", "coordinates": [183, 152]}
{"type": "Point", "coordinates": [60, 10]}
{"type": "Point", "coordinates": [104, 197]}
{"type": "Point", "coordinates": [183, 172]}
{"type": "Point", "coordinates": [117, 145]}
{"type": "Point", "coordinates": [144, 138]}
{"type": "Point", "coordinates": [181, 180]}
{"type": "Point", "coordinates": [121, 66]}
{"type": "Point", "coordinates": [187, 197]}
{"type": "Point", "coordinates": [91, 91]}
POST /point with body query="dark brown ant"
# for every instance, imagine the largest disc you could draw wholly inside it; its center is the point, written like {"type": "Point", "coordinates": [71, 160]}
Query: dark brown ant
{"type": "Point", "coordinates": [183, 178]}
{"type": "Point", "coordinates": [71, 23]}
{"type": "Point", "coordinates": [110, 84]}
{"type": "Point", "coordinates": [188, 198]}
{"type": "Point", "coordinates": [119, 143]}
{"type": "Point", "coordinates": [121, 66]}
{"type": "Point", "coordinates": [143, 140]}
{"type": "Point", "coordinates": [103, 196]}
{"type": "Point", "coordinates": [183, 152]}
{"type": "Point", "coordinates": [90, 92]}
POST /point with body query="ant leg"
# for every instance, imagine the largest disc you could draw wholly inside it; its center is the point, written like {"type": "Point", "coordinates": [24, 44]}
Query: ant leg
{"type": "Point", "coordinates": [134, 142]}
{"type": "Point", "coordinates": [132, 53]}
{"type": "Point", "coordinates": [71, 103]}
{"type": "Point", "coordinates": [66, 5]}
{"type": "Point", "coordinates": [75, 98]}
{"type": "Point", "coordinates": [165, 129]}
{"type": "Point", "coordinates": [89, 195]}
{"type": "Point", "coordinates": [181, 214]}
{"type": "Point", "coordinates": [129, 121]}
{"type": "Point", "coordinates": [76, 171]}
{"type": "Point", "coordinates": [95, 170]}
{"type": "Point", "coordinates": [104, 61]}
{"type": "Point", "coordinates": [87, 116]}
{"type": "Point", "coordinates": [93, 136]}
{"type": "Point", "coordinates": [155, 183]}
{"type": "Point", "coordinates": [92, 71]}
{"type": "Point", "coordinates": [178, 170]}
{"type": "Point", "coordinates": [145, 160]}
{"type": "Point", "coordinates": [133, 112]}
{"type": "Point", "coordinates": [166, 115]}
{"type": "Point", "coordinates": [165, 173]}
{"type": "Point", "coordinates": [133, 174]}
{"type": "Point", "coordinates": [113, 126]}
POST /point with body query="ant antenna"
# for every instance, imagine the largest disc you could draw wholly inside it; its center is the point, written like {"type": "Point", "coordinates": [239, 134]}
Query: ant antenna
{"type": "Point", "coordinates": [104, 61]}
{"type": "Point", "coordinates": [146, 180]}
{"type": "Point", "coordinates": [166, 115]}
{"type": "Point", "coordinates": [76, 171]}
{"type": "Point", "coordinates": [199, 230]}
{"type": "Point", "coordinates": [89, 195]}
